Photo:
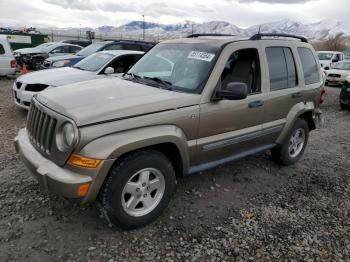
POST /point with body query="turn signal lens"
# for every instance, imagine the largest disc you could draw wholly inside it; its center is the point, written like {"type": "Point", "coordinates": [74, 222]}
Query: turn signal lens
{"type": "Point", "coordinates": [81, 161]}
{"type": "Point", "coordinates": [83, 189]}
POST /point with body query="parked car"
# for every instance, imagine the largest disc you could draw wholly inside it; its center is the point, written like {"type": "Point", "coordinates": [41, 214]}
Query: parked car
{"type": "Point", "coordinates": [338, 74]}
{"type": "Point", "coordinates": [186, 106]}
{"type": "Point", "coordinates": [70, 60]}
{"type": "Point", "coordinates": [82, 43]}
{"type": "Point", "coordinates": [344, 97]}
{"type": "Point", "coordinates": [34, 57]}
{"type": "Point", "coordinates": [328, 59]}
{"type": "Point", "coordinates": [98, 65]}
{"type": "Point", "coordinates": [7, 61]}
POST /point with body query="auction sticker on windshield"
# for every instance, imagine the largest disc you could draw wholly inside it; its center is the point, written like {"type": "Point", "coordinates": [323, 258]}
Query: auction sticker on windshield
{"type": "Point", "coordinates": [201, 56]}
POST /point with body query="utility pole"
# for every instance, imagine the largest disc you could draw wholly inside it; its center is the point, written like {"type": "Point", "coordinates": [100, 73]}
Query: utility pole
{"type": "Point", "coordinates": [192, 28]}
{"type": "Point", "coordinates": [144, 27]}
{"type": "Point", "coordinates": [79, 31]}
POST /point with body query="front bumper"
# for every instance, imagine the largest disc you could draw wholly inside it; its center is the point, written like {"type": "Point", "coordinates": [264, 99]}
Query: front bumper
{"type": "Point", "coordinates": [335, 81]}
{"type": "Point", "coordinates": [22, 97]}
{"type": "Point", "coordinates": [51, 177]}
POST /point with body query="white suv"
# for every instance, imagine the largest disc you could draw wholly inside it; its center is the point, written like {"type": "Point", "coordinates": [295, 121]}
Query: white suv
{"type": "Point", "coordinates": [7, 61]}
{"type": "Point", "coordinates": [328, 59]}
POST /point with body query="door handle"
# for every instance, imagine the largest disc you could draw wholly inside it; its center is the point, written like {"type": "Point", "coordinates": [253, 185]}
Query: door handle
{"type": "Point", "coordinates": [256, 104]}
{"type": "Point", "coordinates": [297, 95]}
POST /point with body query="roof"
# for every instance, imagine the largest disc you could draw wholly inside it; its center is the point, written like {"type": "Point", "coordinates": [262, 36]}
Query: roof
{"type": "Point", "coordinates": [122, 52]}
{"type": "Point", "coordinates": [211, 40]}
{"type": "Point", "coordinates": [221, 39]}
{"type": "Point", "coordinates": [332, 52]}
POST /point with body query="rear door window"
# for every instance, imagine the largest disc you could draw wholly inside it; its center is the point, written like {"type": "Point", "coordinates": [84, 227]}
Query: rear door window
{"type": "Point", "coordinates": [282, 68]}
{"type": "Point", "coordinates": [132, 47]}
{"type": "Point", "coordinates": [309, 64]}
{"type": "Point", "coordinates": [2, 49]}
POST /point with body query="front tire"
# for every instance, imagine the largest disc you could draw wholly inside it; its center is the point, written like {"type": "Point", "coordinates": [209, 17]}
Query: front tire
{"type": "Point", "coordinates": [294, 145]}
{"type": "Point", "coordinates": [138, 189]}
{"type": "Point", "coordinates": [343, 106]}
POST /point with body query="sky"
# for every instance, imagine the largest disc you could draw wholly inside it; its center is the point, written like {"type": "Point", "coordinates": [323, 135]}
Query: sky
{"type": "Point", "coordinates": [95, 13]}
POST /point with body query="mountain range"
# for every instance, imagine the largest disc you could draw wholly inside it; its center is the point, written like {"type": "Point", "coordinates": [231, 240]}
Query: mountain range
{"type": "Point", "coordinates": [314, 31]}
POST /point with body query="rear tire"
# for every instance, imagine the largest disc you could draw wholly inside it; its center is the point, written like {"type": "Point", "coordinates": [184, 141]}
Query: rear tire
{"type": "Point", "coordinates": [138, 189]}
{"type": "Point", "coordinates": [294, 145]}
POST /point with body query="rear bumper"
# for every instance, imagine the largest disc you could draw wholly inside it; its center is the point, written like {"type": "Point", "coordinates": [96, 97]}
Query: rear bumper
{"type": "Point", "coordinates": [51, 177]}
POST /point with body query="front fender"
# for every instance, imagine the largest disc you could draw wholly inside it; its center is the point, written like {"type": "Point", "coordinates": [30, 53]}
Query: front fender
{"type": "Point", "coordinates": [296, 111]}
{"type": "Point", "coordinates": [115, 145]}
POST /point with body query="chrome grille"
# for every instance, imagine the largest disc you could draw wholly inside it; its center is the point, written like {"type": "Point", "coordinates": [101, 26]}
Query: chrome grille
{"type": "Point", "coordinates": [334, 75]}
{"type": "Point", "coordinates": [41, 128]}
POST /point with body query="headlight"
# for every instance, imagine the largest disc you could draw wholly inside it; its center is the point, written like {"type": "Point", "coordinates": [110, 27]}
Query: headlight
{"type": "Point", "coordinates": [67, 137]}
{"type": "Point", "coordinates": [60, 63]}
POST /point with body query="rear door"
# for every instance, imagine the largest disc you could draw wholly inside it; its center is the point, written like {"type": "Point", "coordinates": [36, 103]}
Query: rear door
{"type": "Point", "coordinates": [5, 59]}
{"type": "Point", "coordinates": [286, 85]}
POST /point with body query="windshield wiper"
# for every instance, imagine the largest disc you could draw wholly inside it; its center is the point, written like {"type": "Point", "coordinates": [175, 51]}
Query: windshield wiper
{"type": "Point", "coordinates": [132, 75]}
{"type": "Point", "coordinates": [165, 84]}
{"type": "Point", "coordinates": [78, 67]}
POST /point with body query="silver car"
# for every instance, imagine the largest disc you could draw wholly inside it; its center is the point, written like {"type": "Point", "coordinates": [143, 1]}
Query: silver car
{"type": "Point", "coordinates": [98, 65]}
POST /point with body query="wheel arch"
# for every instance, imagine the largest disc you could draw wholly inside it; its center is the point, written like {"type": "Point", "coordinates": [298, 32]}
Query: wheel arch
{"type": "Point", "coordinates": [300, 110]}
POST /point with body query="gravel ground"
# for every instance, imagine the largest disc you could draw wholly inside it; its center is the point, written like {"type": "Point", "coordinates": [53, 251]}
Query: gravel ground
{"type": "Point", "coordinates": [250, 210]}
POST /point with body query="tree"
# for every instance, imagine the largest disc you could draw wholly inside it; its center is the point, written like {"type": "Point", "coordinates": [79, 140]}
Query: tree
{"type": "Point", "coordinates": [336, 42]}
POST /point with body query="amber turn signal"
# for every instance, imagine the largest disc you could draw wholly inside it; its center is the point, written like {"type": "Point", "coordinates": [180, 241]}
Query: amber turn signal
{"type": "Point", "coordinates": [82, 161]}
{"type": "Point", "coordinates": [83, 189]}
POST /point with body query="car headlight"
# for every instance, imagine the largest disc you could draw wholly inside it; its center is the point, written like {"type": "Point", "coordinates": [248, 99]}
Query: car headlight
{"type": "Point", "coordinates": [60, 63]}
{"type": "Point", "coordinates": [67, 137]}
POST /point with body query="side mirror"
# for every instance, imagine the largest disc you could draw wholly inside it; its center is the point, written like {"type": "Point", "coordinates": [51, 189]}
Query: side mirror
{"type": "Point", "coordinates": [233, 91]}
{"type": "Point", "coordinates": [109, 70]}
{"type": "Point", "coordinates": [335, 60]}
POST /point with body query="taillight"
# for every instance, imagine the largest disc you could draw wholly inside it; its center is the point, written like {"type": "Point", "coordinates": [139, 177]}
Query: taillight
{"type": "Point", "coordinates": [13, 64]}
{"type": "Point", "coordinates": [322, 95]}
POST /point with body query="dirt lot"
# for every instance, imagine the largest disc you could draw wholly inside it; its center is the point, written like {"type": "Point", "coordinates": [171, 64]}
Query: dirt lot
{"type": "Point", "coordinates": [250, 210]}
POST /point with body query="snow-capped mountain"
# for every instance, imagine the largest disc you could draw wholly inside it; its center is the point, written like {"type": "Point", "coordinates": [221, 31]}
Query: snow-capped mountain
{"type": "Point", "coordinates": [134, 29]}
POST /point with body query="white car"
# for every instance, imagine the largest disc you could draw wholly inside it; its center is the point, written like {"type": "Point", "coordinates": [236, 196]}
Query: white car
{"type": "Point", "coordinates": [7, 61]}
{"type": "Point", "coordinates": [328, 59]}
{"type": "Point", "coordinates": [98, 65]}
{"type": "Point", "coordinates": [338, 74]}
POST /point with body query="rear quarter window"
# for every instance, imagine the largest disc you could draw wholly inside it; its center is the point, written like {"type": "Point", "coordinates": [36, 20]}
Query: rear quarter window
{"type": "Point", "coordinates": [309, 65]}
{"type": "Point", "coordinates": [2, 49]}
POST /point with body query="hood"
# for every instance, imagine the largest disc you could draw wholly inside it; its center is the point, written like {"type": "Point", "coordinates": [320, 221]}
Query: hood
{"type": "Point", "coordinates": [112, 98]}
{"type": "Point", "coordinates": [24, 51]}
{"type": "Point", "coordinates": [63, 57]}
{"type": "Point", "coordinates": [343, 73]}
{"type": "Point", "coordinates": [57, 76]}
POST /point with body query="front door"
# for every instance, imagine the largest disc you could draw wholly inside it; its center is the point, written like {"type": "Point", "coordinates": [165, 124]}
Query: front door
{"type": "Point", "coordinates": [231, 127]}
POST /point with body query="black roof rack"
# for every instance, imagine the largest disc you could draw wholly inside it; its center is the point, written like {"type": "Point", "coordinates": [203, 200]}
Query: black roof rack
{"type": "Point", "coordinates": [198, 35]}
{"type": "Point", "coordinates": [260, 35]}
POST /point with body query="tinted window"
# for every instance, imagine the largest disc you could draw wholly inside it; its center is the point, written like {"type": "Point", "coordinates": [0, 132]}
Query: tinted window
{"type": "Point", "coordinates": [114, 47]}
{"type": "Point", "coordinates": [74, 49]}
{"type": "Point", "coordinates": [292, 74]}
{"type": "Point", "coordinates": [2, 50]}
{"type": "Point", "coordinates": [61, 49]}
{"type": "Point", "coordinates": [132, 47]}
{"type": "Point", "coordinates": [91, 49]}
{"type": "Point", "coordinates": [310, 68]}
{"type": "Point", "coordinates": [281, 68]}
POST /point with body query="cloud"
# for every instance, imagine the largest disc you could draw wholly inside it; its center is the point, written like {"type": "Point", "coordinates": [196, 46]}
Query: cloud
{"type": "Point", "coordinates": [274, 1]}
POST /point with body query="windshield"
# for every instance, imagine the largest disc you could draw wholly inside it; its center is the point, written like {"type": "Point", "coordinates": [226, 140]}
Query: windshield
{"type": "Point", "coordinates": [182, 67]}
{"type": "Point", "coordinates": [93, 48]}
{"type": "Point", "coordinates": [325, 56]}
{"type": "Point", "coordinates": [343, 66]}
{"type": "Point", "coordinates": [94, 62]}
